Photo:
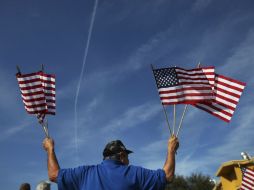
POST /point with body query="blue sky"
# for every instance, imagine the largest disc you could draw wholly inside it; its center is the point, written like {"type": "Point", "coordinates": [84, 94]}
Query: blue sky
{"type": "Point", "coordinates": [118, 98]}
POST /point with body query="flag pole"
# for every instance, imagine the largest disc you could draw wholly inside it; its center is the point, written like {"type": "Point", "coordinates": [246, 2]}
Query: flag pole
{"type": "Point", "coordinates": [185, 108]}
{"type": "Point", "coordinates": [174, 121]}
{"type": "Point", "coordinates": [44, 124]}
{"type": "Point", "coordinates": [45, 128]}
{"type": "Point", "coordinates": [164, 109]}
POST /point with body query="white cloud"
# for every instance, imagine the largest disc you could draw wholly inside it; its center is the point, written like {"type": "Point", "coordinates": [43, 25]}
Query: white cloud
{"type": "Point", "coordinates": [200, 5]}
{"type": "Point", "coordinates": [133, 117]}
{"type": "Point", "coordinates": [14, 130]}
{"type": "Point", "coordinates": [242, 60]}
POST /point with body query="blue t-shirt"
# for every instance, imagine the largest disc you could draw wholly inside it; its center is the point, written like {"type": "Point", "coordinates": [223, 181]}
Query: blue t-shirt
{"type": "Point", "coordinates": [111, 175]}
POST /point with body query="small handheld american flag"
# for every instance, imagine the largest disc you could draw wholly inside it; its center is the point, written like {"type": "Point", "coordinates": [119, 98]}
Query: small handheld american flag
{"type": "Point", "coordinates": [38, 94]}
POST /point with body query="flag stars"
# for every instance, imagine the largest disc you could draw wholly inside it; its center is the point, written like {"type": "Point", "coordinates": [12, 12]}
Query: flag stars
{"type": "Point", "coordinates": [166, 77]}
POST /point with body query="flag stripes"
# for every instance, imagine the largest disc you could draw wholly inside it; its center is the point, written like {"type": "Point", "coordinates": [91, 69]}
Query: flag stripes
{"type": "Point", "coordinates": [227, 93]}
{"type": "Point", "coordinates": [38, 93]}
{"type": "Point", "coordinates": [248, 179]}
{"type": "Point", "coordinates": [177, 85]}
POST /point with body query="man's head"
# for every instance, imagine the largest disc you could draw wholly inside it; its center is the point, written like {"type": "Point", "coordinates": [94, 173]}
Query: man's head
{"type": "Point", "coordinates": [43, 185]}
{"type": "Point", "coordinates": [25, 186]}
{"type": "Point", "coordinates": [116, 150]}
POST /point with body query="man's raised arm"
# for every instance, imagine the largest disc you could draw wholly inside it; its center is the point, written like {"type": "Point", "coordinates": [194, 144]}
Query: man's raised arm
{"type": "Point", "coordinates": [169, 166]}
{"type": "Point", "coordinates": [53, 166]}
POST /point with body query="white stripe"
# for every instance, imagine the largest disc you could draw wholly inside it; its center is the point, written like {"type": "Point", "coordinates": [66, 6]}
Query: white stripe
{"type": "Point", "coordinates": [215, 111]}
{"type": "Point", "coordinates": [217, 99]}
{"type": "Point", "coordinates": [230, 111]}
{"type": "Point", "coordinates": [34, 103]}
{"type": "Point", "coordinates": [32, 90]}
{"type": "Point", "coordinates": [248, 179]}
{"type": "Point", "coordinates": [183, 86]}
{"type": "Point", "coordinates": [189, 72]}
{"type": "Point", "coordinates": [31, 84]}
{"type": "Point", "coordinates": [187, 98]}
{"type": "Point", "coordinates": [229, 89]}
{"type": "Point", "coordinates": [50, 98]}
{"type": "Point", "coordinates": [50, 91]}
{"type": "Point", "coordinates": [248, 185]}
{"type": "Point", "coordinates": [48, 85]}
{"type": "Point", "coordinates": [250, 171]}
{"type": "Point", "coordinates": [186, 92]}
{"type": "Point", "coordinates": [227, 96]}
{"type": "Point", "coordinates": [230, 83]}
{"type": "Point", "coordinates": [244, 188]}
{"type": "Point", "coordinates": [194, 81]}
{"type": "Point", "coordinates": [44, 78]}
{"type": "Point", "coordinates": [33, 97]}
{"type": "Point", "coordinates": [210, 76]}
{"type": "Point", "coordinates": [192, 77]}
{"type": "Point", "coordinates": [36, 109]}
{"type": "Point", "coordinates": [36, 76]}
{"type": "Point", "coordinates": [51, 104]}
{"type": "Point", "coordinates": [210, 70]}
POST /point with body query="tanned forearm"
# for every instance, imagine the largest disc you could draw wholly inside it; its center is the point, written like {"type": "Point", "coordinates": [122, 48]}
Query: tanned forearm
{"type": "Point", "coordinates": [169, 166]}
{"type": "Point", "coordinates": [53, 166]}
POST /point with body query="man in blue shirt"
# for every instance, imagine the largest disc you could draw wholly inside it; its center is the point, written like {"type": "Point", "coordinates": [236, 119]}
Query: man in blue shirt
{"type": "Point", "coordinates": [114, 173]}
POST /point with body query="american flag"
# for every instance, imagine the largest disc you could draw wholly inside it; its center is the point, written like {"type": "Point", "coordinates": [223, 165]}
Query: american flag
{"type": "Point", "coordinates": [38, 93]}
{"type": "Point", "coordinates": [227, 93]}
{"type": "Point", "coordinates": [248, 179]}
{"type": "Point", "coordinates": [180, 86]}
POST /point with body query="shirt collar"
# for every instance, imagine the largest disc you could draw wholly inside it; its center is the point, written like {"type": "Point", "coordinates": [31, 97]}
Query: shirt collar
{"type": "Point", "coordinates": [112, 162]}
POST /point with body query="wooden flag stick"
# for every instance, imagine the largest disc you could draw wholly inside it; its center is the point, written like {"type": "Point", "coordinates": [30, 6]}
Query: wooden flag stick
{"type": "Point", "coordinates": [42, 67]}
{"type": "Point", "coordinates": [166, 116]}
{"type": "Point", "coordinates": [19, 72]}
{"type": "Point", "coordinates": [185, 108]}
{"type": "Point", "coordinates": [45, 128]}
{"type": "Point", "coordinates": [180, 124]}
{"type": "Point", "coordinates": [164, 109]}
{"type": "Point", "coordinates": [174, 121]}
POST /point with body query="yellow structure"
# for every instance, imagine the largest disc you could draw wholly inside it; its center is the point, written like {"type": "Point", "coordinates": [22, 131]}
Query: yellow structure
{"type": "Point", "coordinates": [231, 175]}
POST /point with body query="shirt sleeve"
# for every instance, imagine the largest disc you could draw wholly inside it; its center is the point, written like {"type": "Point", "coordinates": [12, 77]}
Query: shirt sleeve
{"type": "Point", "coordinates": [151, 179]}
{"type": "Point", "coordinates": [70, 178]}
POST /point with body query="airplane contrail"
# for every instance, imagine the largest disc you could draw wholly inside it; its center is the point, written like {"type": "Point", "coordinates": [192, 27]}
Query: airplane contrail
{"type": "Point", "coordinates": [81, 75]}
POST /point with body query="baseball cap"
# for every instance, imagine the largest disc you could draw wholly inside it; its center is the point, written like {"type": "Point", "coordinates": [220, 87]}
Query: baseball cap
{"type": "Point", "coordinates": [115, 147]}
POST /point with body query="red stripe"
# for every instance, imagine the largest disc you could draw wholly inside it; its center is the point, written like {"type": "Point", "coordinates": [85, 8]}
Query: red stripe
{"type": "Point", "coordinates": [196, 69]}
{"type": "Point", "coordinates": [218, 109]}
{"type": "Point", "coordinates": [205, 83]}
{"type": "Point", "coordinates": [34, 99]}
{"type": "Point", "coordinates": [48, 75]}
{"type": "Point", "coordinates": [32, 93]}
{"type": "Point", "coordinates": [227, 92]}
{"type": "Point", "coordinates": [226, 99]}
{"type": "Point", "coordinates": [187, 94]}
{"type": "Point", "coordinates": [225, 105]}
{"type": "Point", "coordinates": [229, 86]}
{"type": "Point", "coordinates": [48, 81]}
{"type": "Point", "coordinates": [29, 81]}
{"type": "Point", "coordinates": [49, 88]}
{"type": "Point", "coordinates": [31, 87]}
{"type": "Point", "coordinates": [188, 78]}
{"type": "Point", "coordinates": [232, 80]}
{"type": "Point", "coordinates": [224, 119]}
{"type": "Point", "coordinates": [37, 106]}
{"type": "Point", "coordinates": [50, 100]}
{"type": "Point", "coordinates": [185, 102]}
{"type": "Point", "coordinates": [48, 94]}
{"type": "Point", "coordinates": [185, 89]}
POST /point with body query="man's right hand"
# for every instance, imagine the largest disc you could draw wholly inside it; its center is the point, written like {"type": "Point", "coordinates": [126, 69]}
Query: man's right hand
{"type": "Point", "coordinates": [173, 144]}
{"type": "Point", "coordinates": [48, 144]}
